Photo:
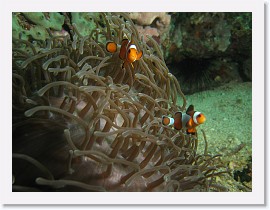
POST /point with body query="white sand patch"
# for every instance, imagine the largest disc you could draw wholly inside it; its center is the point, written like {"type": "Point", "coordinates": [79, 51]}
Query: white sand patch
{"type": "Point", "coordinates": [228, 110]}
{"type": "Point", "coordinates": [228, 127]}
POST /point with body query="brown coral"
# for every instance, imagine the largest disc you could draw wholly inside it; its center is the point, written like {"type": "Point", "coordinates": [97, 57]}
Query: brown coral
{"type": "Point", "coordinates": [147, 31]}
{"type": "Point", "coordinates": [147, 18]}
{"type": "Point", "coordinates": [154, 24]}
{"type": "Point", "coordinates": [82, 123]}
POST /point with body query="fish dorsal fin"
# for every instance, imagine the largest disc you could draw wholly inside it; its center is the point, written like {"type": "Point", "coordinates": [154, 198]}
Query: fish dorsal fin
{"type": "Point", "coordinates": [123, 49]}
{"type": "Point", "coordinates": [190, 109]}
{"type": "Point", "coordinates": [124, 41]}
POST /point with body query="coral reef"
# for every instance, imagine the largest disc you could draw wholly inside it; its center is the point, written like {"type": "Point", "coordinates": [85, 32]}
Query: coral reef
{"type": "Point", "coordinates": [35, 24]}
{"type": "Point", "coordinates": [211, 37]}
{"type": "Point", "coordinates": [200, 35]}
{"type": "Point", "coordinates": [84, 22]}
{"type": "Point", "coordinates": [153, 24]}
{"type": "Point", "coordinates": [183, 37]}
{"type": "Point", "coordinates": [148, 31]}
{"type": "Point", "coordinates": [160, 19]}
{"type": "Point", "coordinates": [83, 123]}
{"type": "Point", "coordinates": [51, 20]}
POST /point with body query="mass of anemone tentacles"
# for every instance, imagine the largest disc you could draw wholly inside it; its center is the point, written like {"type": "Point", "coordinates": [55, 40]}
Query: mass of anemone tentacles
{"type": "Point", "coordinates": [81, 122]}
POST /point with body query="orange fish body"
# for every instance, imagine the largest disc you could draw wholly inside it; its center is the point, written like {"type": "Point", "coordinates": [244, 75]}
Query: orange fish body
{"type": "Point", "coordinates": [128, 51]}
{"type": "Point", "coordinates": [189, 120]}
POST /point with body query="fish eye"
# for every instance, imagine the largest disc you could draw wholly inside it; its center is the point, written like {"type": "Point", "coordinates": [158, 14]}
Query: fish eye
{"type": "Point", "coordinates": [129, 51]}
{"type": "Point", "coordinates": [199, 115]}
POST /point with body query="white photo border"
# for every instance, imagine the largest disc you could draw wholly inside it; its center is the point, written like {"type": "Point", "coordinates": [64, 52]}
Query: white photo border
{"type": "Point", "coordinates": [257, 196]}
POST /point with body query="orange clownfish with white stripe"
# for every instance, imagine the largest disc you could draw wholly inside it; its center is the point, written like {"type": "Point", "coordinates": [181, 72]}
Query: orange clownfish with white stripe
{"type": "Point", "coordinates": [189, 120]}
{"type": "Point", "coordinates": [128, 51]}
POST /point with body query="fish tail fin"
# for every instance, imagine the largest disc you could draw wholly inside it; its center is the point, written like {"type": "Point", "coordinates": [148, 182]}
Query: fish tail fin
{"type": "Point", "coordinates": [167, 120]}
{"type": "Point", "coordinates": [111, 47]}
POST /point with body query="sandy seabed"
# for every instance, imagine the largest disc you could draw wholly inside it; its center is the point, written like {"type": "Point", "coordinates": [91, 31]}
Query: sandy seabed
{"type": "Point", "coordinates": [228, 129]}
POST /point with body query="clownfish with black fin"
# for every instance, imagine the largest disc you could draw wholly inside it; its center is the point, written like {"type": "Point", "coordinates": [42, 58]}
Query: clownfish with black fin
{"type": "Point", "coordinates": [189, 120]}
{"type": "Point", "coordinates": [128, 51]}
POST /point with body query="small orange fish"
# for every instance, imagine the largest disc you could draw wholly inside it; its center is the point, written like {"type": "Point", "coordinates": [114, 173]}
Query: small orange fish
{"type": "Point", "coordinates": [128, 51]}
{"type": "Point", "coordinates": [189, 120]}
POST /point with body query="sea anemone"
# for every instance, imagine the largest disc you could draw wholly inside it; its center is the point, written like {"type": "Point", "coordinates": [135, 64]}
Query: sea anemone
{"type": "Point", "coordinates": [81, 122]}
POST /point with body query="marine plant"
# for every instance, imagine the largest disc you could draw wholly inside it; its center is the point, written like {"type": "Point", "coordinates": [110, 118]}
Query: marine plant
{"type": "Point", "coordinates": [81, 122]}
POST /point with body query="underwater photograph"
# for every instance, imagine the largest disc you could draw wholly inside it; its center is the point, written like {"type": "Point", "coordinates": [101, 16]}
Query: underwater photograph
{"type": "Point", "coordinates": [132, 102]}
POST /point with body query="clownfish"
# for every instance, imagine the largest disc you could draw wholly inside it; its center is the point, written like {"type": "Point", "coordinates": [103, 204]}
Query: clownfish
{"type": "Point", "coordinates": [189, 120]}
{"type": "Point", "coordinates": [128, 51]}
